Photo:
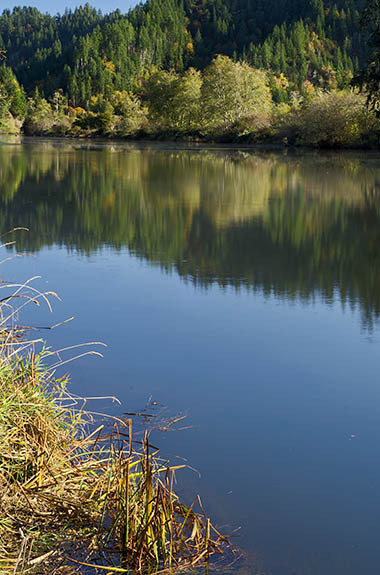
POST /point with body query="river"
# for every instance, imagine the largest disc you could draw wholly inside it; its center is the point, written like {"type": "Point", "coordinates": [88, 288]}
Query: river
{"type": "Point", "coordinates": [241, 289]}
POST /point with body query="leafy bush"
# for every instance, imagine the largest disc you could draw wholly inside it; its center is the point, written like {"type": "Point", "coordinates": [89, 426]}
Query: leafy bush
{"type": "Point", "coordinates": [39, 119]}
{"type": "Point", "coordinates": [174, 99]}
{"type": "Point", "coordinates": [131, 115]}
{"type": "Point", "coordinates": [338, 118]}
{"type": "Point", "coordinates": [232, 93]}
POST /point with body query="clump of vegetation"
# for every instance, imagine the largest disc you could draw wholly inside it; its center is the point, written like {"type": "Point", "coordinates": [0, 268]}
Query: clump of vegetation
{"type": "Point", "coordinates": [234, 95]}
{"type": "Point", "coordinates": [75, 494]}
{"type": "Point", "coordinates": [13, 107]}
{"type": "Point", "coordinates": [328, 119]}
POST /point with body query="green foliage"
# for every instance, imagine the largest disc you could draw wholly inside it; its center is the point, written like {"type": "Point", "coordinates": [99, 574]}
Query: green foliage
{"type": "Point", "coordinates": [38, 46]}
{"type": "Point", "coordinates": [11, 92]}
{"type": "Point", "coordinates": [131, 114]}
{"type": "Point", "coordinates": [174, 99]}
{"type": "Point", "coordinates": [369, 78]}
{"type": "Point", "coordinates": [40, 116]}
{"type": "Point", "coordinates": [228, 99]}
{"type": "Point", "coordinates": [47, 118]}
{"type": "Point", "coordinates": [233, 93]}
{"type": "Point", "coordinates": [202, 67]}
{"type": "Point", "coordinates": [4, 104]}
{"type": "Point", "coordinates": [187, 100]}
{"type": "Point", "coordinates": [87, 54]}
{"type": "Point", "coordinates": [334, 119]}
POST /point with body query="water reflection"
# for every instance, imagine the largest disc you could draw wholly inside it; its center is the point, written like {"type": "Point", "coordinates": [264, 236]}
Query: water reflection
{"type": "Point", "coordinates": [273, 391]}
{"type": "Point", "coordinates": [290, 226]}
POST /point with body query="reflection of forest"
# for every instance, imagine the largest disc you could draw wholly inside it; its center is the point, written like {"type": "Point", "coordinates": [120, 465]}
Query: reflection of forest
{"type": "Point", "coordinates": [290, 226]}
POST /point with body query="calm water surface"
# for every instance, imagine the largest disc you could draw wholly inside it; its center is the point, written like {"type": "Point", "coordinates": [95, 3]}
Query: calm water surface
{"type": "Point", "coordinates": [241, 289]}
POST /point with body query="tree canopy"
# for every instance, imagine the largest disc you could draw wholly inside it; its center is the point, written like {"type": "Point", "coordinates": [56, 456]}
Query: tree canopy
{"type": "Point", "coordinates": [85, 53]}
{"type": "Point", "coordinates": [369, 78]}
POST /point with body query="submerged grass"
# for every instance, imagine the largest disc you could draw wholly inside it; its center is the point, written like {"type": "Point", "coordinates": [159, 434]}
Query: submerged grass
{"type": "Point", "coordinates": [76, 497]}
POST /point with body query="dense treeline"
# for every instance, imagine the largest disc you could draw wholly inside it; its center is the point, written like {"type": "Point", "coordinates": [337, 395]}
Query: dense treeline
{"type": "Point", "coordinates": [156, 70]}
{"type": "Point", "coordinates": [228, 100]}
{"type": "Point", "coordinates": [85, 54]}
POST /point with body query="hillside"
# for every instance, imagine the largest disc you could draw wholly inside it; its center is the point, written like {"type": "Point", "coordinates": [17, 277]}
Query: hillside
{"type": "Point", "coordinates": [85, 54]}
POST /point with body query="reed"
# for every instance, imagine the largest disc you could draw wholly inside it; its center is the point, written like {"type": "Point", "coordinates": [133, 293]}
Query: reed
{"type": "Point", "coordinates": [74, 495]}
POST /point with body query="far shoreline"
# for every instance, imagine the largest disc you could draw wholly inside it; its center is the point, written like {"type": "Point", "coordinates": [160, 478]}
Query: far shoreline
{"type": "Point", "coordinates": [195, 144]}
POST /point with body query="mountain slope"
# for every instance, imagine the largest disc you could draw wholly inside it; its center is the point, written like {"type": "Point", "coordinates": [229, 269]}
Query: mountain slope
{"type": "Point", "coordinates": [85, 53]}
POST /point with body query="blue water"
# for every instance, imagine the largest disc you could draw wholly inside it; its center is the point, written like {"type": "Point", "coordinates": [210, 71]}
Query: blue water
{"type": "Point", "coordinates": [255, 318]}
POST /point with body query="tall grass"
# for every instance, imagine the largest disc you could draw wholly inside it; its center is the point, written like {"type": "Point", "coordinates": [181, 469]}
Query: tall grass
{"type": "Point", "coordinates": [75, 495]}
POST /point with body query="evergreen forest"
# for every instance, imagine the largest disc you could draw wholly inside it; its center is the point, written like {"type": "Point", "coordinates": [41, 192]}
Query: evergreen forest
{"type": "Point", "coordinates": [220, 69]}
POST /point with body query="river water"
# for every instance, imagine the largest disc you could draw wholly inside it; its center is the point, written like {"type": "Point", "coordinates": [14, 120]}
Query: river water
{"type": "Point", "coordinates": [238, 288]}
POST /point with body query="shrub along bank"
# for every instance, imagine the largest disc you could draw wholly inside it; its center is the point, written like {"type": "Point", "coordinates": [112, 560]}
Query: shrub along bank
{"type": "Point", "coordinates": [227, 101]}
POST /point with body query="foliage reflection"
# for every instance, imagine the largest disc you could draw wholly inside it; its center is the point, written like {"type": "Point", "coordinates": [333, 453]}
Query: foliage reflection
{"type": "Point", "coordinates": [295, 227]}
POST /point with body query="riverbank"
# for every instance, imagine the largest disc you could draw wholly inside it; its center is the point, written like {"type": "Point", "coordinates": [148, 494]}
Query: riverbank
{"type": "Point", "coordinates": [76, 491]}
{"type": "Point", "coordinates": [276, 141]}
{"type": "Point", "coordinates": [322, 119]}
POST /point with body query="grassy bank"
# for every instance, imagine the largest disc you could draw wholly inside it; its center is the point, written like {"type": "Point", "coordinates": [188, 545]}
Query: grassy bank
{"type": "Point", "coordinates": [75, 496]}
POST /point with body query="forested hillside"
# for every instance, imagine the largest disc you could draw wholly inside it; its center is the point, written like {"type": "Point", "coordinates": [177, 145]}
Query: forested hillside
{"type": "Point", "coordinates": [157, 67]}
{"type": "Point", "coordinates": [85, 53]}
